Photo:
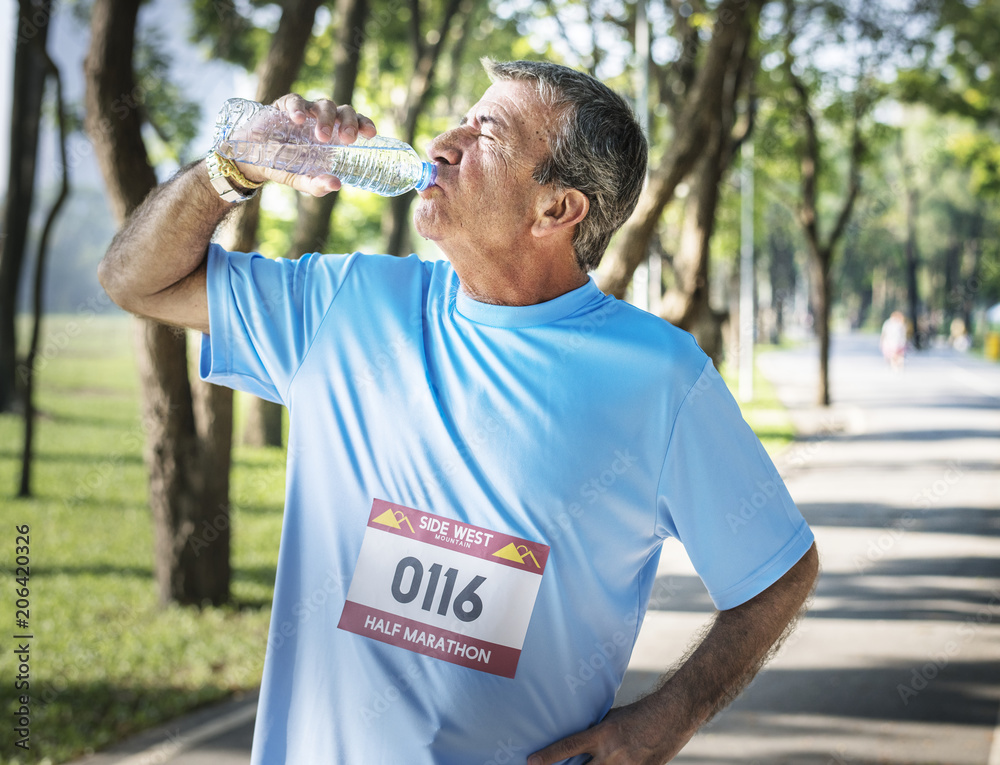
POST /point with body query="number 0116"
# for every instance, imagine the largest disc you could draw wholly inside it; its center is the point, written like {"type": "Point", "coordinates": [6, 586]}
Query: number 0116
{"type": "Point", "coordinates": [467, 605]}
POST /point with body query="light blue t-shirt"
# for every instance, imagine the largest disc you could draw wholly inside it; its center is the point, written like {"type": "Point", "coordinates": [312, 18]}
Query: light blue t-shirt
{"type": "Point", "coordinates": [476, 501]}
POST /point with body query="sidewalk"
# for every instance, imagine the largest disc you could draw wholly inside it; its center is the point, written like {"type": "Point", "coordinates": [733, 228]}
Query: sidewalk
{"type": "Point", "coordinates": [899, 659]}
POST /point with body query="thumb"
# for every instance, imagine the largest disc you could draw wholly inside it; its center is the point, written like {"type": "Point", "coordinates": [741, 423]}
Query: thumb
{"type": "Point", "coordinates": [316, 185]}
{"type": "Point", "coordinates": [578, 743]}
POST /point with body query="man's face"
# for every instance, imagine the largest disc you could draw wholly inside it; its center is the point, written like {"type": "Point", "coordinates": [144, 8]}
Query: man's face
{"type": "Point", "coordinates": [485, 198]}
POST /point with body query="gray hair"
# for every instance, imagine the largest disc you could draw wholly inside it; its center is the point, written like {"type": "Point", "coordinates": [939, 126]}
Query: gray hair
{"type": "Point", "coordinates": [596, 147]}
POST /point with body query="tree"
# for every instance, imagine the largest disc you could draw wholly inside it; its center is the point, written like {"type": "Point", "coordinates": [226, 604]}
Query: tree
{"type": "Point", "coordinates": [40, 263]}
{"type": "Point", "coordinates": [954, 72]}
{"type": "Point", "coordinates": [312, 225]}
{"type": "Point", "coordinates": [30, 71]}
{"type": "Point", "coordinates": [427, 48]}
{"type": "Point", "coordinates": [912, 202]}
{"type": "Point", "coordinates": [178, 458]}
{"type": "Point", "coordinates": [188, 434]}
{"type": "Point", "coordinates": [821, 248]}
{"type": "Point", "coordinates": [686, 304]}
{"type": "Point", "coordinates": [697, 116]}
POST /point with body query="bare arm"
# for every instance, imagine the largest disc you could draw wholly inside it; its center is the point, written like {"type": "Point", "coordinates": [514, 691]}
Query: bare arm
{"type": "Point", "coordinates": [654, 729]}
{"type": "Point", "coordinates": [155, 266]}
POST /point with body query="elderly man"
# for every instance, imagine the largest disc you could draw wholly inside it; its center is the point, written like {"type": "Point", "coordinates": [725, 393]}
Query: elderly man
{"type": "Point", "coordinates": [485, 454]}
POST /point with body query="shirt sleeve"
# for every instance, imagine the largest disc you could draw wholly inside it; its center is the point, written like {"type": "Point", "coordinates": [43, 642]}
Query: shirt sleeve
{"type": "Point", "coordinates": [721, 496]}
{"type": "Point", "coordinates": [264, 315]}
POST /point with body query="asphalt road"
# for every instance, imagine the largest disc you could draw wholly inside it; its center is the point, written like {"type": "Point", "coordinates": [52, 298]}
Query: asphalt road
{"type": "Point", "coordinates": [898, 660]}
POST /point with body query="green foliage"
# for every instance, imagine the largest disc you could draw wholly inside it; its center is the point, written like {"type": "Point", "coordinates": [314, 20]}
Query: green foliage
{"type": "Point", "coordinates": [956, 67]}
{"type": "Point", "coordinates": [980, 152]}
{"type": "Point", "coordinates": [956, 72]}
{"type": "Point", "coordinates": [106, 660]}
{"type": "Point", "coordinates": [233, 31]}
{"type": "Point", "coordinates": [174, 117]}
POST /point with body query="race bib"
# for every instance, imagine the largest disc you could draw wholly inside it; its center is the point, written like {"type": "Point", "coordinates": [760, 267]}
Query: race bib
{"type": "Point", "coordinates": [443, 588]}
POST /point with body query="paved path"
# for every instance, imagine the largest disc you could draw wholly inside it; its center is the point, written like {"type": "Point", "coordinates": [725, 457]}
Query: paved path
{"type": "Point", "coordinates": [899, 659]}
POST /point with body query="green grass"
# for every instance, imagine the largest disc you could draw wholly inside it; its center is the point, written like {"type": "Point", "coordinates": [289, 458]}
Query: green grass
{"type": "Point", "coordinates": [106, 661]}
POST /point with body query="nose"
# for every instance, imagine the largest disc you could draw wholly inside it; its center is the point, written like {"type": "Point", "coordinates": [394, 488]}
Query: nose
{"type": "Point", "coordinates": [446, 148]}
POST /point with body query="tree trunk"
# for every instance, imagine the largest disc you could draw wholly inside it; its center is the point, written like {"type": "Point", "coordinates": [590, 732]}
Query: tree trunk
{"type": "Point", "coordinates": [698, 114]}
{"type": "Point", "coordinates": [312, 226]}
{"type": "Point", "coordinates": [952, 279]}
{"type": "Point", "coordinates": [188, 474]}
{"type": "Point", "coordinates": [38, 291]}
{"type": "Point", "coordinates": [426, 56]}
{"type": "Point", "coordinates": [970, 268]}
{"type": "Point", "coordinates": [819, 267]}
{"type": "Point", "coordinates": [912, 265]}
{"type": "Point", "coordinates": [26, 110]}
{"type": "Point", "coordinates": [820, 250]}
{"type": "Point", "coordinates": [910, 215]}
{"type": "Point", "coordinates": [687, 303]}
{"type": "Point", "coordinates": [781, 272]}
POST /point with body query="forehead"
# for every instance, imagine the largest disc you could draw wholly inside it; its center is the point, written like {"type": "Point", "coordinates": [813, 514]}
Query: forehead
{"type": "Point", "coordinates": [515, 105]}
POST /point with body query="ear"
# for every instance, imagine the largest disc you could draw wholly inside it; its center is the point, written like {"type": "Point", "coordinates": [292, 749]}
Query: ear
{"type": "Point", "coordinates": [560, 211]}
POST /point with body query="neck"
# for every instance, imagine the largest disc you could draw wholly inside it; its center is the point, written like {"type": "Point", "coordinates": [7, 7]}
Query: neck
{"type": "Point", "coordinates": [536, 278]}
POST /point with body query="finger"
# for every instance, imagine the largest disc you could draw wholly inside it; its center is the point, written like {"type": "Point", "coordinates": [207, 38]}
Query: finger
{"type": "Point", "coordinates": [366, 127]}
{"type": "Point", "coordinates": [296, 106]}
{"type": "Point", "coordinates": [326, 112]}
{"type": "Point", "coordinates": [347, 120]}
{"type": "Point", "coordinates": [578, 743]}
{"type": "Point", "coordinates": [321, 185]}
{"type": "Point", "coordinates": [315, 185]}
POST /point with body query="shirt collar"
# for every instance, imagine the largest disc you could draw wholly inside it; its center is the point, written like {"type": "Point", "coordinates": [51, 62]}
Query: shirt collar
{"type": "Point", "coordinates": [519, 316]}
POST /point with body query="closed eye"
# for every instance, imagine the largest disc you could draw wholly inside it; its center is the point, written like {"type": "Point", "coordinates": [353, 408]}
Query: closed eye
{"type": "Point", "coordinates": [484, 119]}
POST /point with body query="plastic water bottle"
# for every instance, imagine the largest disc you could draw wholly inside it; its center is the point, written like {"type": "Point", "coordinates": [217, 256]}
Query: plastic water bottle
{"type": "Point", "coordinates": [249, 132]}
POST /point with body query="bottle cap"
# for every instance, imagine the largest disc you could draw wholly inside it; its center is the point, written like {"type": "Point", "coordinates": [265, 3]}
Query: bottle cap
{"type": "Point", "coordinates": [428, 176]}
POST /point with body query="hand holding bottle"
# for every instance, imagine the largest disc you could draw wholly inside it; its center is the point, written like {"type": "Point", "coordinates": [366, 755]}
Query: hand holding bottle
{"type": "Point", "coordinates": [334, 124]}
{"type": "Point", "coordinates": [338, 146]}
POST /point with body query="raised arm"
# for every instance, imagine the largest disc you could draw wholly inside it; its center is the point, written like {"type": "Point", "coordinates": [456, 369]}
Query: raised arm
{"type": "Point", "coordinates": [652, 730]}
{"type": "Point", "coordinates": [155, 266]}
